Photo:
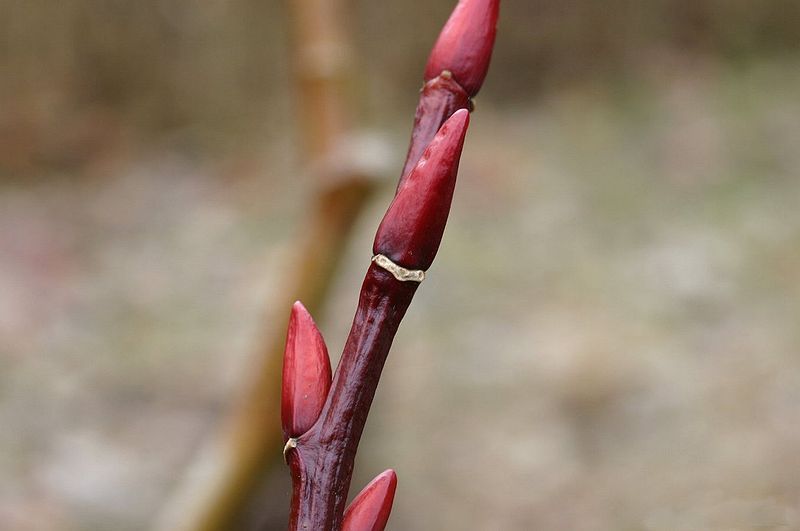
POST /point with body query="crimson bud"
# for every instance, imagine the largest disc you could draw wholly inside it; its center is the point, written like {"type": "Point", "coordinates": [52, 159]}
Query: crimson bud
{"type": "Point", "coordinates": [412, 227]}
{"type": "Point", "coordinates": [306, 374]}
{"type": "Point", "coordinates": [464, 46]}
{"type": "Point", "coordinates": [370, 510]}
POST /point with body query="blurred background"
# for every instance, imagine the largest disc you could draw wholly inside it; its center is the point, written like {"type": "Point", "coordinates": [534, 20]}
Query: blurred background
{"type": "Point", "coordinates": [608, 340]}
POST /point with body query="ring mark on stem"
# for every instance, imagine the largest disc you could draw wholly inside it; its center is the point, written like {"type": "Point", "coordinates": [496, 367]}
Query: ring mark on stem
{"type": "Point", "coordinates": [399, 272]}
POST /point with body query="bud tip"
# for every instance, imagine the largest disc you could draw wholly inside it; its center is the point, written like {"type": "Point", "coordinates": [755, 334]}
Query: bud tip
{"type": "Point", "coordinates": [370, 510]}
{"type": "Point", "coordinates": [464, 46]}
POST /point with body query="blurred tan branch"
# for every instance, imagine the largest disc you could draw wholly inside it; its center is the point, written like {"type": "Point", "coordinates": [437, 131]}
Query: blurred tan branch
{"type": "Point", "coordinates": [215, 494]}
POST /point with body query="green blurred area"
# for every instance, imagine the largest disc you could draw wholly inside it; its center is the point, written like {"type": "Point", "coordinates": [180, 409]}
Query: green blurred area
{"type": "Point", "coordinates": [607, 341]}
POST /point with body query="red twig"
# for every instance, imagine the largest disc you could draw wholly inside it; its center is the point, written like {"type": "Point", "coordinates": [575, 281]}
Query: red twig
{"type": "Point", "coordinates": [321, 455]}
{"type": "Point", "coordinates": [454, 72]}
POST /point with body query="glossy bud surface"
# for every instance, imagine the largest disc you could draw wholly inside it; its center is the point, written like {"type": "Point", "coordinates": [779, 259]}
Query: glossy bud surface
{"type": "Point", "coordinates": [412, 228]}
{"type": "Point", "coordinates": [306, 374]}
{"type": "Point", "coordinates": [464, 46]}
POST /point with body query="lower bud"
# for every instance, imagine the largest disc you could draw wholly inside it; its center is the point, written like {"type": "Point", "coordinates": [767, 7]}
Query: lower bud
{"type": "Point", "coordinates": [370, 510]}
{"type": "Point", "coordinates": [306, 374]}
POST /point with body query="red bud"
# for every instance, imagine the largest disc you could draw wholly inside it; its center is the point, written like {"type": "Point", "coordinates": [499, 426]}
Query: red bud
{"type": "Point", "coordinates": [306, 374]}
{"type": "Point", "coordinates": [440, 98]}
{"type": "Point", "coordinates": [412, 228]}
{"type": "Point", "coordinates": [370, 510]}
{"type": "Point", "coordinates": [465, 44]}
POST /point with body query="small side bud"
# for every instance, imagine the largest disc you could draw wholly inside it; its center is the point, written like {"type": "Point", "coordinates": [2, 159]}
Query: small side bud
{"type": "Point", "coordinates": [412, 228]}
{"type": "Point", "coordinates": [370, 510]}
{"type": "Point", "coordinates": [306, 374]}
{"type": "Point", "coordinates": [464, 46]}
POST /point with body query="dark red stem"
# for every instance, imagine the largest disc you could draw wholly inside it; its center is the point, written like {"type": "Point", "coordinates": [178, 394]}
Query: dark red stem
{"type": "Point", "coordinates": [321, 460]}
{"type": "Point", "coordinates": [439, 99]}
{"type": "Point", "coordinates": [322, 463]}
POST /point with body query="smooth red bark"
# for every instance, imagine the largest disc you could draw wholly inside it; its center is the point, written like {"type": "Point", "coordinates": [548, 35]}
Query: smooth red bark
{"type": "Point", "coordinates": [440, 98]}
{"type": "Point", "coordinates": [322, 462]}
{"type": "Point", "coordinates": [321, 459]}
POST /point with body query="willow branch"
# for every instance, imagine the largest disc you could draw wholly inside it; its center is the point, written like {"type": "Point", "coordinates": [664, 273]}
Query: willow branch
{"type": "Point", "coordinates": [321, 458]}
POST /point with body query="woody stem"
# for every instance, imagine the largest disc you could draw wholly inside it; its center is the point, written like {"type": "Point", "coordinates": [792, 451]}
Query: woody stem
{"type": "Point", "coordinates": [322, 462]}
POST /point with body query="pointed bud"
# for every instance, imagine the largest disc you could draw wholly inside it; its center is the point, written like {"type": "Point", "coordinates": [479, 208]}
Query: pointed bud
{"type": "Point", "coordinates": [465, 44]}
{"type": "Point", "coordinates": [412, 228]}
{"type": "Point", "coordinates": [306, 374]}
{"type": "Point", "coordinates": [370, 510]}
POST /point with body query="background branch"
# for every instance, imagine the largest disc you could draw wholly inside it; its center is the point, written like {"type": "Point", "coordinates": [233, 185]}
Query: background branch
{"type": "Point", "coordinates": [230, 469]}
